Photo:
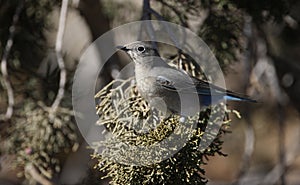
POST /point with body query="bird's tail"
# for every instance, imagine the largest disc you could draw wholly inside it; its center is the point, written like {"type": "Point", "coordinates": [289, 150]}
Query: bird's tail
{"type": "Point", "coordinates": [234, 97]}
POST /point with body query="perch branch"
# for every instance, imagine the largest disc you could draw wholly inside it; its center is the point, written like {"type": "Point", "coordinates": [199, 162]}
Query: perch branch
{"type": "Point", "coordinates": [60, 60]}
{"type": "Point", "coordinates": [9, 43]}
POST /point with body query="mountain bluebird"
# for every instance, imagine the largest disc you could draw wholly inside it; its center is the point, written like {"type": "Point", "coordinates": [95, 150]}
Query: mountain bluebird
{"type": "Point", "coordinates": [171, 90]}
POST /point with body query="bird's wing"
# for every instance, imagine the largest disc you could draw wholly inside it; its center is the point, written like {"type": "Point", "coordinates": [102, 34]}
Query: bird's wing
{"type": "Point", "coordinates": [181, 85]}
{"type": "Point", "coordinates": [195, 85]}
{"type": "Point", "coordinates": [204, 87]}
{"type": "Point", "coordinates": [173, 79]}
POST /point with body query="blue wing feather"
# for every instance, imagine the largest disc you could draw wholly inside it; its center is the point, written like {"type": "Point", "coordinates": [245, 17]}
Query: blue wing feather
{"type": "Point", "coordinates": [204, 89]}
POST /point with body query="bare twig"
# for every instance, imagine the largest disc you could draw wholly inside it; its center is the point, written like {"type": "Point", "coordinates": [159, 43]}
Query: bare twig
{"type": "Point", "coordinates": [60, 60]}
{"type": "Point", "coordinates": [30, 168]}
{"type": "Point", "coordinates": [12, 30]}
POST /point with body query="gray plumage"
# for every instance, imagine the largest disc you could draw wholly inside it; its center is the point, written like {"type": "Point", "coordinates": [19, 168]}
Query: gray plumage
{"type": "Point", "coordinates": [168, 89]}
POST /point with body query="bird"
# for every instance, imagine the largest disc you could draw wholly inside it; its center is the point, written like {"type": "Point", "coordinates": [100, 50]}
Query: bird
{"type": "Point", "coordinates": [169, 89]}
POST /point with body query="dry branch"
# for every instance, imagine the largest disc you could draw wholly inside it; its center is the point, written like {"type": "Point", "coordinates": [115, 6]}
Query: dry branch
{"type": "Point", "coordinates": [60, 60]}
{"type": "Point", "coordinates": [6, 52]}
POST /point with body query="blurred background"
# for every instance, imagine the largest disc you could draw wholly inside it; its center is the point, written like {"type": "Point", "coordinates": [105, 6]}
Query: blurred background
{"type": "Point", "coordinates": [257, 44]}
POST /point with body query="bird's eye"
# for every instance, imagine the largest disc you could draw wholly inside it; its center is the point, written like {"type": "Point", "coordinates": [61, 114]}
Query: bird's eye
{"type": "Point", "coordinates": [141, 48]}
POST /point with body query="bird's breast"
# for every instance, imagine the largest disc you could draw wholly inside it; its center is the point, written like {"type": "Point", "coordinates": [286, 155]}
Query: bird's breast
{"type": "Point", "coordinates": [146, 86]}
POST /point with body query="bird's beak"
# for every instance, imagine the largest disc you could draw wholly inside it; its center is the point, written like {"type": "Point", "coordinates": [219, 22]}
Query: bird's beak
{"type": "Point", "coordinates": [122, 48]}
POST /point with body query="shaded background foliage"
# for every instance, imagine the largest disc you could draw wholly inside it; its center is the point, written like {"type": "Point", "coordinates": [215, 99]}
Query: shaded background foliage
{"type": "Point", "coordinates": [255, 42]}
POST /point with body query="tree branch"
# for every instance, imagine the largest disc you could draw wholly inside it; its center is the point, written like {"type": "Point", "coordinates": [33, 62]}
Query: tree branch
{"type": "Point", "coordinates": [9, 43]}
{"type": "Point", "coordinates": [60, 60]}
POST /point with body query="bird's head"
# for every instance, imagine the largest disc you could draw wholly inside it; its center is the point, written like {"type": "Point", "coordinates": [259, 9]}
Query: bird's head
{"type": "Point", "coordinates": [138, 51]}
